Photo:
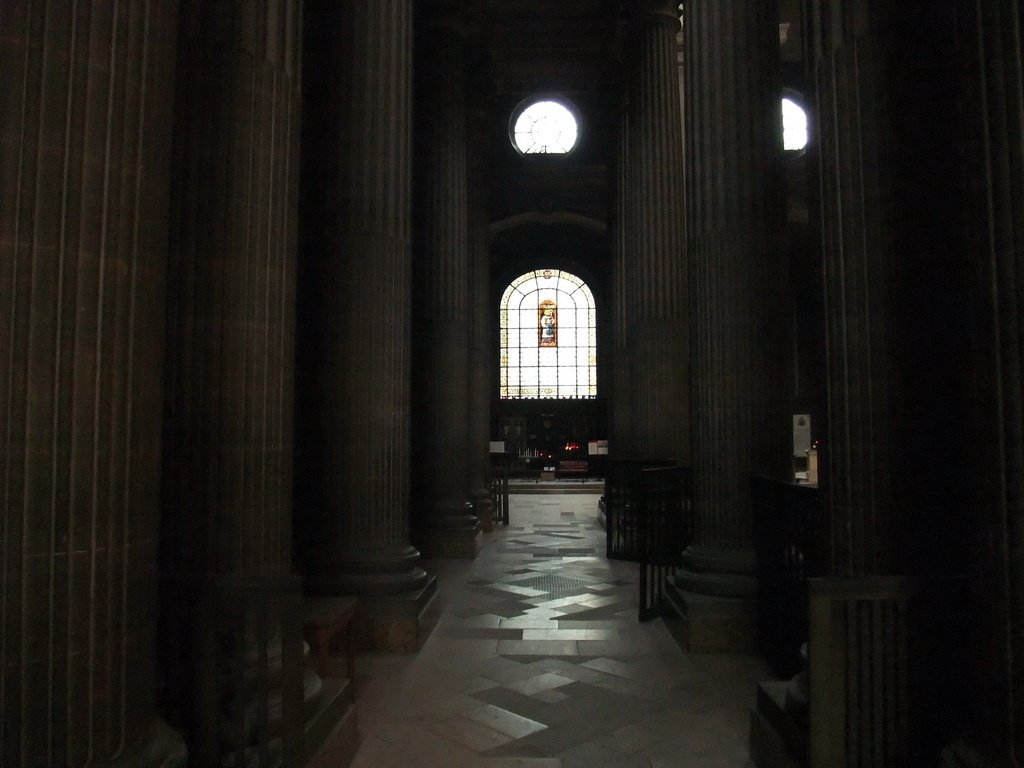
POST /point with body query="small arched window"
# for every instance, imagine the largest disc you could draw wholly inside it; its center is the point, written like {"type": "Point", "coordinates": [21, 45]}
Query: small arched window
{"type": "Point", "coordinates": [548, 337]}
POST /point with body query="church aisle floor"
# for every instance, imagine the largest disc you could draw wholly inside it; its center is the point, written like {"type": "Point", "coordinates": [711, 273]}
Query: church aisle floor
{"type": "Point", "coordinates": [538, 661]}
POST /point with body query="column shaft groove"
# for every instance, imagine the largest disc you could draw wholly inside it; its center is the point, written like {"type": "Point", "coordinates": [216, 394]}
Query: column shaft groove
{"type": "Point", "coordinates": [83, 213]}
{"type": "Point", "coordinates": [649, 266]}
{"type": "Point", "coordinates": [444, 521]}
{"type": "Point", "coordinates": [734, 140]}
{"type": "Point", "coordinates": [358, 167]}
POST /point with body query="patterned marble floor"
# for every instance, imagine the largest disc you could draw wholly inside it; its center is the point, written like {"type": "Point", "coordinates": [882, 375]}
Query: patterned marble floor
{"type": "Point", "coordinates": [539, 661]}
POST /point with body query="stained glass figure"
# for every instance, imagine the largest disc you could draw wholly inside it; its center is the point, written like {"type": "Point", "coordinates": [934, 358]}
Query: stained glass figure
{"type": "Point", "coordinates": [547, 324]}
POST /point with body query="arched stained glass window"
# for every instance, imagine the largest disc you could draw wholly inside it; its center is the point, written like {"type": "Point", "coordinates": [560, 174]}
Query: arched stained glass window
{"type": "Point", "coordinates": [548, 337]}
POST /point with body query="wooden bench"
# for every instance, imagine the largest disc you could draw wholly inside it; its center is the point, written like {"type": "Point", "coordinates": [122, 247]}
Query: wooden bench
{"type": "Point", "coordinates": [573, 467]}
{"type": "Point", "coordinates": [322, 619]}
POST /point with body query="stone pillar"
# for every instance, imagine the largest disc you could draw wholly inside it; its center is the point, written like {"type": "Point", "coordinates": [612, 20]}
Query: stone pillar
{"type": "Point", "coordinates": [992, 43]}
{"type": "Point", "coordinates": [888, 138]}
{"type": "Point", "coordinates": [85, 149]}
{"type": "Point", "coordinates": [734, 142]}
{"type": "Point", "coordinates": [621, 430]}
{"type": "Point", "coordinates": [482, 315]}
{"type": "Point", "coordinates": [443, 516]}
{"type": "Point", "coordinates": [650, 292]}
{"type": "Point", "coordinates": [226, 548]}
{"type": "Point", "coordinates": [894, 282]}
{"type": "Point", "coordinates": [231, 297]}
{"type": "Point", "coordinates": [358, 165]}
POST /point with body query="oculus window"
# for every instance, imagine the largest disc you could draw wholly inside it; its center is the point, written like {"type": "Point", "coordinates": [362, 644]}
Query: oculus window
{"type": "Point", "coordinates": [544, 127]}
{"type": "Point", "coordinates": [548, 337]}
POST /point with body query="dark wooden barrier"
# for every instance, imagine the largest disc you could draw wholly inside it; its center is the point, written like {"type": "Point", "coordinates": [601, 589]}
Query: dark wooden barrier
{"type": "Point", "coordinates": [787, 541]}
{"type": "Point", "coordinates": [572, 468]}
{"type": "Point", "coordinates": [888, 681]}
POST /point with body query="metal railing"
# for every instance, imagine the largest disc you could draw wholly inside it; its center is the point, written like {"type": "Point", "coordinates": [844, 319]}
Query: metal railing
{"type": "Point", "coordinates": [649, 520]}
{"type": "Point", "coordinates": [234, 657]}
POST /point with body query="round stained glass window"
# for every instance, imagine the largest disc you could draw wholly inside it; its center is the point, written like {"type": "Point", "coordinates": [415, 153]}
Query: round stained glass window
{"type": "Point", "coordinates": [544, 127]}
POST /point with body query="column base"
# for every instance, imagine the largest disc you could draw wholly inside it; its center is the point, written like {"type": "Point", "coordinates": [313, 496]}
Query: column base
{"type": "Point", "coordinates": [162, 748]}
{"type": "Point", "coordinates": [398, 623]}
{"type": "Point", "coordinates": [451, 545]}
{"type": "Point", "coordinates": [777, 738]}
{"type": "Point", "coordinates": [714, 598]}
{"type": "Point", "coordinates": [450, 532]}
{"type": "Point", "coordinates": [368, 573]}
{"type": "Point", "coordinates": [483, 508]}
{"type": "Point", "coordinates": [332, 734]}
{"type": "Point", "coordinates": [711, 624]}
{"type": "Point", "coordinates": [960, 754]}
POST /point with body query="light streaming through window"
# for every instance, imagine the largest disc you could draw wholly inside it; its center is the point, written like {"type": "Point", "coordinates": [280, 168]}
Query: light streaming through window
{"type": "Point", "coordinates": [794, 126]}
{"type": "Point", "coordinates": [548, 337]}
{"type": "Point", "coordinates": [545, 127]}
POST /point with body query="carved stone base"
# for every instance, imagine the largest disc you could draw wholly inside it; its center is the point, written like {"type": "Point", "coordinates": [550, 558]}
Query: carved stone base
{"type": "Point", "coordinates": [714, 595]}
{"type": "Point", "coordinates": [163, 748]}
{"type": "Point", "coordinates": [332, 734]}
{"type": "Point", "coordinates": [777, 739]}
{"type": "Point", "coordinates": [451, 545]}
{"type": "Point", "coordinates": [960, 754]}
{"type": "Point", "coordinates": [400, 623]}
{"type": "Point", "coordinates": [483, 508]}
{"type": "Point", "coordinates": [709, 623]}
{"type": "Point", "coordinates": [449, 531]}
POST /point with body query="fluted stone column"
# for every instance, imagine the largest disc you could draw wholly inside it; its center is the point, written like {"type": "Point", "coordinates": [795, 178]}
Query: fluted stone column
{"type": "Point", "coordinates": [620, 421]}
{"type": "Point", "coordinates": [898, 319]}
{"type": "Point", "coordinates": [230, 331]}
{"type": "Point", "coordinates": [360, 255]}
{"type": "Point", "coordinates": [231, 298]}
{"type": "Point", "coordinates": [482, 351]}
{"type": "Point", "coordinates": [738, 287]}
{"type": "Point", "coordinates": [84, 148]}
{"type": "Point", "coordinates": [895, 287]}
{"type": "Point", "coordinates": [993, 46]}
{"type": "Point", "coordinates": [650, 293]}
{"type": "Point", "coordinates": [442, 514]}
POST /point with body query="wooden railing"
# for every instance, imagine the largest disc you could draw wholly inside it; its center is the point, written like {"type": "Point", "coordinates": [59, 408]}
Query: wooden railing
{"type": "Point", "coordinates": [886, 668]}
{"type": "Point", "coordinates": [858, 664]}
{"type": "Point", "coordinates": [787, 540]}
{"type": "Point", "coordinates": [649, 520]}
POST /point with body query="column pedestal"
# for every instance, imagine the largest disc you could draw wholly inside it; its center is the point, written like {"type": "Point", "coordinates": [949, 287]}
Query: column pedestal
{"type": "Point", "coordinates": [400, 623]}
{"type": "Point", "coordinates": [444, 522]}
{"type": "Point", "coordinates": [734, 138]}
{"type": "Point", "coordinates": [85, 149]}
{"type": "Point", "coordinates": [357, 272]}
{"type": "Point", "coordinates": [396, 609]}
{"type": "Point", "coordinates": [162, 748]}
{"type": "Point", "coordinates": [961, 754]}
{"type": "Point", "coordinates": [714, 595]}
{"type": "Point", "coordinates": [453, 532]}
